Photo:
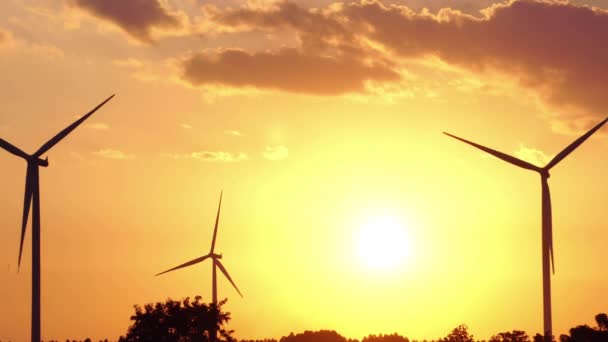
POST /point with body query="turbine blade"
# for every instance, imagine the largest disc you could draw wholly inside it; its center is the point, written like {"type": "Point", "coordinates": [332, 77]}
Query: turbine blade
{"type": "Point", "coordinates": [223, 269]}
{"type": "Point", "coordinates": [27, 201]}
{"type": "Point", "coordinates": [217, 221]}
{"type": "Point", "coordinates": [498, 154]}
{"type": "Point", "coordinates": [576, 143]}
{"type": "Point", "coordinates": [49, 144]}
{"type": "Point", "coordinates": [13, 149]}
{"type": "Point", "coordinates": [189, 263]}
{"type": "Point", "coordinates": [548, 221]}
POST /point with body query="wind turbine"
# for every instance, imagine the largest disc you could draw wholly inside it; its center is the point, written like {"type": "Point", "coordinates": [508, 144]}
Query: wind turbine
{"type": "Point", "coordinates": [32, 195]}
{"type": "Point", "coordinates": [547, 228]}
{"type": "Point", "coordinates": [215, 259]}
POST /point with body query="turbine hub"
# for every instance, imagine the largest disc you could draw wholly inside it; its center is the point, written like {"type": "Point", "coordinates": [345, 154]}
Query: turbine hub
{"type": "Point", "coordinates": [216, 256]}
{"type": "Point", "coordinates": [545, 173]}
{"type": "Point", "coordinates": [39, 162]}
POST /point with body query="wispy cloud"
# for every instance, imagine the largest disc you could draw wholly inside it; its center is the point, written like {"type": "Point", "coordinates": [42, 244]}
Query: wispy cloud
{"type": "Point", "coordinates": [211, 156]}
{"type": "Point", "coordinates": [278, 152]}
{"type": "Point", "coordinates": [128, 63]}
{"type": "Point", "coordinates": [575, 126]}
{"type": "Point", "coordinates": [45, 51]}
{"type": "Point", "coordinates": [532, 155]}
{"type": "Point", "coordinates": [76, 155]}
{"type": "Point", "coordinates": [98, 126]}
{"type": "Point", "coordinates": [185, 125]}
{"type": "Point", "coordinates": [114, 154]}
{"type": "Point", "coordinates": [233, 133]}
{"type": "Point", "coordinates": [5, 36]}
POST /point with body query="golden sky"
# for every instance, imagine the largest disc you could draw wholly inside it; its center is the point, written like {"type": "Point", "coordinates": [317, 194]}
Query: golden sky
{"type": "Point", "coordinates": [318, 119]}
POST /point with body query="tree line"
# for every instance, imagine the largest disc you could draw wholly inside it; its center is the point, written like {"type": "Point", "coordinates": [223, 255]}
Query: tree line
{"type": "Point", "coordinates": [195, 321]}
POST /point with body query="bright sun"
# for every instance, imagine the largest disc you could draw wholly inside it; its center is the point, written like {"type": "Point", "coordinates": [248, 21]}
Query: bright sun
{"type": "Point", "coordinates": [382, 243]}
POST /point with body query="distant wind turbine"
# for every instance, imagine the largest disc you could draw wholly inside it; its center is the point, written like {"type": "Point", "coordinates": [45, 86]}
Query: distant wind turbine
{"type": "Point", "coordinates": [215, 258]}
{"type": "Point", "coordinates": [32, 194]}
{"type": "Point", "coordinates": [547, 228]}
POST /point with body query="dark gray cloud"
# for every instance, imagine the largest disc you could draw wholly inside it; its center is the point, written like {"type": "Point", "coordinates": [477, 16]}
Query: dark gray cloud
{"type": "Point", "coordinates": [286, 69]}
{"type": "Point", "coordinates": [136, 17]}
{"type": "Point", "coordinates": [555, 48]}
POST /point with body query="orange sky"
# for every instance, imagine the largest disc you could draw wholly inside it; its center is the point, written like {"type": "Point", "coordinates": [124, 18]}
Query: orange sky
{"type": "Point", "coordinates": [314, 121]}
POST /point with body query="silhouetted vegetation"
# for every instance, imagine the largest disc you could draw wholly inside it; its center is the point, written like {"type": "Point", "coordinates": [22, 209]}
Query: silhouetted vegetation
{"type": "Point", "coordinates": [511, 336]}
{"type": "Point", "coordinates": [602, 321]}
{"type": "Point", "coordinates": [316, 336]}
{"type": "Point", "coordinates": [459, 334]}
{"type": "Point", "coordinates": [186, 321]}
{"type": "Point", "coordinates": [385, 338]}
{"type": "Point", "coordinates": [85, 340]}
{"type": "Point", "coordinates": [178, 321]}
{"type": "Point", "coordinates": [584, 333]}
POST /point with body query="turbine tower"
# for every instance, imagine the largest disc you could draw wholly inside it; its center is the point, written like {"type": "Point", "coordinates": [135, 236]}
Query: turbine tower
{"type": "Point", "coordinates": [547, 228]}
{"type": "Point", "coordinates": [32, 195]}
{"type": "Point", "coordinates": [215, 259]}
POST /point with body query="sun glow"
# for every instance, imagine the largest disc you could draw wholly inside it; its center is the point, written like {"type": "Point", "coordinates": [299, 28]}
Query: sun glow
{"type": "Point", "coordinates": [382, 243]}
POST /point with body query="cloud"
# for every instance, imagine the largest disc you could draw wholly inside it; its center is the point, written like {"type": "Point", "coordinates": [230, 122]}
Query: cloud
{"type": "Point", "coordinates": [528, 40]}
{"type": "Point", "coordinates": [5, 37]}
{"type": "Point", "coordinates": [114, 154]}
{"type": "Point", "coordinates": [532, 155]}
{"type": "Point", "coordinates": [138, 18]}
{"type": "Point", "coordinates": [185, 125]}
{"type": "Point", "coordinates": [327, 59]}
{"type": "Point", "coordinates": [313, 26]}
{"type": "Point", "coordinates": [275, 152]}
{"type": "Point", "coordinates": [287, 69]}
{"type": "Point", "coordinates": [76, 155]}
{"type": "Point", "coordinates": [211, 156]}
{"type": "Point", "coordinates": [43, 51]}
{"type": "Point", "coordinates": [128, 63]}
{"type": "Point", "coordinates": [575, 126]}
{"type": "Point", "coordinates": [99, 126]}
{"type": "Point", "coordinates": [564, 64]}
{"type": "Point", "coordinates": [233, 133]}
{"type": "Point", "coordinates": [50, 52]}
{"type": "Point", "coordinates": [57, 14]}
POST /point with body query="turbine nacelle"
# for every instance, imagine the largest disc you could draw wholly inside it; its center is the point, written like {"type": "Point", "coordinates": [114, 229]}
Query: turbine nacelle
{"type": "Point", "coordinates": [544, 173]}
{"type": "Point", "coordinates": [38, 161]}
{"type": "Point", "coordinates": [215, 256]}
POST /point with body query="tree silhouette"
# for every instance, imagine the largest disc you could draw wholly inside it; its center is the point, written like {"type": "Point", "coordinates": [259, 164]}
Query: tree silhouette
{"type": "Point", "coordinates": [585, 333]}
{"type": "Point", "coordinates": [186, 321]}
{"type": "Point", "coordinates": [178, 321]}
{"type": "Point", "coordinates": [602, 321]}
{"type": "Point", "coordinates": [385, 338]}
{"type": "Point", "coordinates": [316, 336]}
{"type": "Point", "coordinates": [541, 338]}
{"type": "Point", "coordinates": [512, 336]}
{"type": "Point", "coordinates": [459, 334]}
{"type": "Point", "coordinates": [582, 333]}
